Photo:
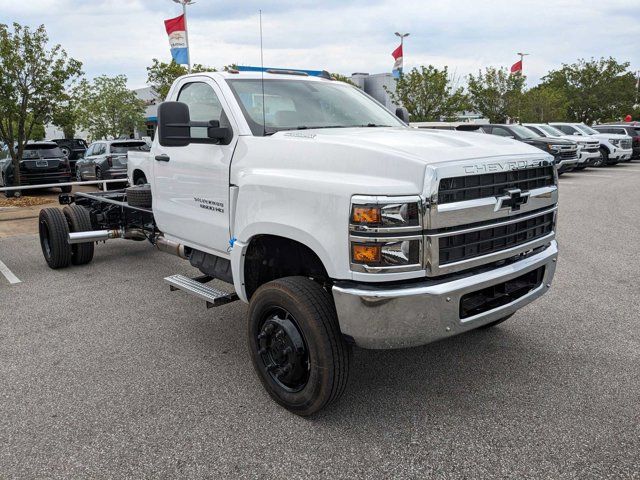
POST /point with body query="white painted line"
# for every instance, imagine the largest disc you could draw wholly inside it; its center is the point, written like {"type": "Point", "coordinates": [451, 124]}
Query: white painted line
{"type": "Point", "coordinates": [591, 175]}
{"type": "Point", "coordinates": [8, 274]}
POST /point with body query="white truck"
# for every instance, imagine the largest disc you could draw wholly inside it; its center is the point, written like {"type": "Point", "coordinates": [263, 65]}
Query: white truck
{"type": "Point", "coordinates": [337, 223]}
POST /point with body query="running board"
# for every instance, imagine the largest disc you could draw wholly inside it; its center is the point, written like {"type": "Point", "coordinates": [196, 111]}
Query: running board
{"type": "Point", "coordinates": [195, 286]}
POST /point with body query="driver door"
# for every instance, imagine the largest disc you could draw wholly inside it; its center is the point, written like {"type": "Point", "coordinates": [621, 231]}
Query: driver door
{"type": "Point", "coordinates": [191, 183]}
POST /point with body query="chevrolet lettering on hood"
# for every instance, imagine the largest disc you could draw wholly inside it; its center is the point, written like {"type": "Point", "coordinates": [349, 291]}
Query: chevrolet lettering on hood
{"type": "Point", "coordinates": [504, 167]}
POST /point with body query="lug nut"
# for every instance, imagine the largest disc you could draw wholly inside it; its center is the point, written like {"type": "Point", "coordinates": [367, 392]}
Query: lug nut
{"type": "Point", "coordinates": [287, 350]}
{"type": "Point", "coordinates": [268, 328]}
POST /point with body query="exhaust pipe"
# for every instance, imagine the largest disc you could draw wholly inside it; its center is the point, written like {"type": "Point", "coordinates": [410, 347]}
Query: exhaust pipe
{"type": "Point", "coordinates": [169, 246]}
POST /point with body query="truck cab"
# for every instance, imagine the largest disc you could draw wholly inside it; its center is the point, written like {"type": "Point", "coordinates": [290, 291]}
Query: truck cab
{"type": "Point", "coordinates": [334, 220]}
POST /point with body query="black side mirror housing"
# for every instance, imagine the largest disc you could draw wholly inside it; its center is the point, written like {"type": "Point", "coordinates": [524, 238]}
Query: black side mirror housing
{"type": "Point", "coordinates": [174, 124]}
{"type": "Point", "coordinates": [174, 127]}
{"type": "Point", "coordinates": [403, 114]}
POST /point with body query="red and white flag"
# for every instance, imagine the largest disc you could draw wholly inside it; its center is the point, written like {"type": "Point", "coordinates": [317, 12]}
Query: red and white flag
{"type": "Point", "coordinates": [397, 56]}
{"type": "Point", "coordinates": [177, 31]}
{"type": "Point", "coordinates": [516, 67]}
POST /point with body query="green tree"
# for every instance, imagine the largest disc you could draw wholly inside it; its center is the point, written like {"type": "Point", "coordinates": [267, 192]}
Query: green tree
{"type": "Point", "coordinates": [596, 90]}
{"type": "Point", "coordinates": [342, 78]}
{"type": "Point", "coordinates": [161, 75]}
{"type": "Point", "coordinates": [65, 117]}
{"type": "Point", "coordinates": [33, 81]}
{"type": "Point", "coordinates": [496, 94]}
{"type": "Point", "coordinates": [107, 108]}
{"type": "Point", "coordinates": [429, 94]}
{"type": "Point", "coordinates": [543, 104]}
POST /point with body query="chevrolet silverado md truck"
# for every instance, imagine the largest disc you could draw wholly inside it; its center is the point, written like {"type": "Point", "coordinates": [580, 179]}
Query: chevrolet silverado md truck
{"type": "Point", "coordinates": [337, 223]}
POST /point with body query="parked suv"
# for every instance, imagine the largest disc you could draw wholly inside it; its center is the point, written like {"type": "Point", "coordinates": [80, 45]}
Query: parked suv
{"type": "Point", "coordinates": [107, 159]}
{"type": "Point", "coordinates": [73, 148]}
{"type": "Point", "coordinates": [565, 152]}
{"type": "Point", "coordinates": [613, 147]}
{"type": "Point", "coordinates": [632, 130]}
{"type": "Point", "coordinates": [41, 163]}
{"type": "Point", "coordinates": [588, 148]}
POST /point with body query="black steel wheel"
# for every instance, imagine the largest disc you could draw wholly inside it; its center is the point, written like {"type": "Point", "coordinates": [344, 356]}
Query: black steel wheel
{"type": "Point", "coordinates": [54, 235]}
{"type": "Point", "coordinates": [296, 345]}
{"type": "Point", "coordinates": [79, 220]}
{"type": "Point", "coordinates": [65, 151]}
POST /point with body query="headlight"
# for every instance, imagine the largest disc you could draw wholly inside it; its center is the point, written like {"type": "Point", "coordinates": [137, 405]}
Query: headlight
{"type": "Point", "coordinates": [554, 148]}
{"type": "Point", "coordinates": [386, 234]}
{"type": "Point", "coordinates": [614, 141]}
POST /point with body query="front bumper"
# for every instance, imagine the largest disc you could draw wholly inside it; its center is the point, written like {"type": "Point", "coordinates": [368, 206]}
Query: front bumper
{"type": "Point", "coordinates": [566, 165]}
{"type": "Point", "coordinates": [383, 317]}
{"type": "Point", "coordinates": [589, 157]}
{"type": "Point", "coordinates": [620, 155]}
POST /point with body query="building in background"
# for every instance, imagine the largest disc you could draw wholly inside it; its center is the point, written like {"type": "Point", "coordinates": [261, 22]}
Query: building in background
{"type": "Point", "coordinates": [151, 101]}
{"type": "Point", "coordinates": [374, 84]}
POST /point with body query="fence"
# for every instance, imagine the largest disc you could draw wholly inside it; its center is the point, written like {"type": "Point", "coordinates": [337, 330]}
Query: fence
{"type": "Point", "coordinates": [65, 184]}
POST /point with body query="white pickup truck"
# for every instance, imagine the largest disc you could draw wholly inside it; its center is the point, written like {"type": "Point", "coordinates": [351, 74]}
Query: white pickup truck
{"type": "Point", "coordinates": [337, 223]}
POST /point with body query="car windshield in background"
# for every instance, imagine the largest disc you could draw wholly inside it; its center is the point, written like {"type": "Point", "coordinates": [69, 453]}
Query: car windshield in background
{"type": "Point", "coordinates": [523, 132]}
{"type": "Point", "coordinates": [129, 147]}
{"type": "Point", "coordinates": [587, 130]}
{"type": "Point", "coordinates": [41, 151]}
{"type": "Point", "coordinates": [298, 105]}
{"type": "Point", "coordinates": [549, 130]}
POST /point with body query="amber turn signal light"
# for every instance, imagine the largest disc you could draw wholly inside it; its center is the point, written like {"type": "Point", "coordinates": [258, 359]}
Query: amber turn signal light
{"type": "Point", "coordinates": [366, 215]}
{"type": "Point", "coordinates": [366, 253]}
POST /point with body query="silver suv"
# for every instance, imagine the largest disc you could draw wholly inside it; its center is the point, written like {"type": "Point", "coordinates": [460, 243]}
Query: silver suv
{"type": "Point", "coordinates": [107, 159]}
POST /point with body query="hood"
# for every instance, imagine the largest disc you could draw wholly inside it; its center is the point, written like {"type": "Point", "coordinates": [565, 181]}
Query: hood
{"type": "Point", "coordinates": [556, 140]}
{"type": "Point", "coordinates": [605, 136]}
{"type": "Point", "coordinates": [425, 145]}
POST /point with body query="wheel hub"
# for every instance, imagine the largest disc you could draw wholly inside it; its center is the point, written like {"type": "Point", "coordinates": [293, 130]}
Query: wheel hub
{"type": "Point", "coordinates": [283, 351]}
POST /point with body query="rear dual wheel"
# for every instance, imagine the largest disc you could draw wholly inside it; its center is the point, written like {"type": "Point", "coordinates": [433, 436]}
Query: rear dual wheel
{"type": "Point", "coordinates": [296, 345]}
{"type": "Point", "coordinates": [79, 220]}
{"type": "Point", "coordinates": [54, 226]}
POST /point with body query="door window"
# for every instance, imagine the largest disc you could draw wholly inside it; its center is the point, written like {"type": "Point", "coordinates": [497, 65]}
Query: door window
{"type": "Point", "coordinates": [90, 150]}
{"type": "Point", "coordinates": [204, 106]}
{"type": "Point", "coordinates": [502, 132]}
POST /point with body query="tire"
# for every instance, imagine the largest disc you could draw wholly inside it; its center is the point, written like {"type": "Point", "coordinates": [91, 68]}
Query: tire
{"type": "Point", "coordinates": [54, 234]}
{"type": "Point", "coordinates": [99, 177]}
{"type": "Point", "coordinates": [496, 322]}
{"type": "Point", "coordinates": [604, 158]}
{"type": "Point", "coordinates": [141, 180]}
{"type": "Point", "coordinates": [313, 374]}
{"type": "Point", "coordinates": [139, 196]}
{"type": "Point", "coordinates": [10, 193]}
{"type": "Point", "coordinates": [79, 220]}
{"type": "Point", "coordinates": [65, 151]}
{"type": "Point", "coordinates": [66, 189]}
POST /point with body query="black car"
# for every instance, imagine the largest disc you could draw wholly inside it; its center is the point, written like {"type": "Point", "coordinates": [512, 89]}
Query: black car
{"type": "Point", "coordinates": [41, 163]}
{"type": "Point", "coordinates": [565, 152]}
{"type": "Point", "coordinates": [73, 148]}
{"type": "Point", "coordinates": [632, 129]}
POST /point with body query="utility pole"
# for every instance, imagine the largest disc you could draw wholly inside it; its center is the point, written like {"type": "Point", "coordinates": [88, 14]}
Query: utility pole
{"type": "Point", "coordinates": [402, 36]}
{"type": "Point", "coordinates": [184, 4]}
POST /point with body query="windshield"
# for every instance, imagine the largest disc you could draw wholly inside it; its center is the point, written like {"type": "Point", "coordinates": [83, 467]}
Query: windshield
{"type": "Point", "coordinates": [587, 130]}
{"type": "Point", "coordinates": [523, 132]}
{"type": "Point", "coordinates": [548, 129]}
{"type": "Point", "coordinates": [129, 147]}
{"type": "Point", "coordinates": [41, 151]}
{"type": "Point", "coordinates": [298, 105]}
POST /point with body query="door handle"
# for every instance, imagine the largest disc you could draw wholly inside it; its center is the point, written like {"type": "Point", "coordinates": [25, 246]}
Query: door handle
{"type": "Point", "coordinates": [162, 158]}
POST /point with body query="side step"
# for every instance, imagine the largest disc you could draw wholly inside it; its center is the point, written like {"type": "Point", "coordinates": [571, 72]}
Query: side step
{"type": "Point", "coordinates": [195, 286]}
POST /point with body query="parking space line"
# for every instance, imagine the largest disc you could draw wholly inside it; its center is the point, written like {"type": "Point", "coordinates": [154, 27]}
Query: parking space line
{"type": "Point", "coordinates": [8, 274]}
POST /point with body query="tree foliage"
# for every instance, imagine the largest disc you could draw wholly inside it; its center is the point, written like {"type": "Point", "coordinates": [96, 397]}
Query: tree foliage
{"type": "Point", "coordinates": [107, 108]}
{"type": "Point", "coordinates": [161, 75]}
{"type": "Point", "coordinates": [33, 81]}
{"type": "Point", "coordinates": [342, 78]}
{"type": "Point", "coordinates": [543, 104]}
{"type": "Point", "coordinates": [429, 94]}
{"type": "Point", "coordinates": [596, 90]}
{"type": "Point", "coordinates": [496, 94]}
{"type": "Point", "coordinates": [65, 117]}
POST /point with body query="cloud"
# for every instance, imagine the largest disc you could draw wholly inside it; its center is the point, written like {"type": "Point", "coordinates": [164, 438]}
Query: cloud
{"type": "Point", "coordinates": [122, 36]}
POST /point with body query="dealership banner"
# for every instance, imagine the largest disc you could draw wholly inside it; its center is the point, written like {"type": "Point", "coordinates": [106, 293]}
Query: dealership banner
{"type": "Point", "coordinates": [397, 66]}
{"type": "Point", "coordinates": [178, 39]}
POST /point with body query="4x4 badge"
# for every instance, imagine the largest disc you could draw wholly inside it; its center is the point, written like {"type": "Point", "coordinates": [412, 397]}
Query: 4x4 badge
{"type": "Point", "coordinates": [513, 199]}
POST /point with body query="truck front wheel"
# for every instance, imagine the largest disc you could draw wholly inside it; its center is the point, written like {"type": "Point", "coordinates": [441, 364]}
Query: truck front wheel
{"type": "Point", "coordinates": [296, 345]}
{"type": "Point", "coordinates": [54, 234]}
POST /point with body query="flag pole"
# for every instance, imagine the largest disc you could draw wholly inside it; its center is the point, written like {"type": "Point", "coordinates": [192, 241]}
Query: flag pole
{"type": "Point", "coordinates": [186, 35]}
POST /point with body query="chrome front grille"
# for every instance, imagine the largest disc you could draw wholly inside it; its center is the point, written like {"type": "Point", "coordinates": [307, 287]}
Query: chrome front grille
{"type": "Point", "coordinates": [480, 218]}
{"type": "Point", "coordinates": [471, 187]}
{"type": "Point", "coordinates": [625, 144]}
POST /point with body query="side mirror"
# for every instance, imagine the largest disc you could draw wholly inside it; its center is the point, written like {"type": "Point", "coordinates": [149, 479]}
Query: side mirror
{"type": "Point", "coordinates": [403, 114]}
{"type": "Point", "coordinates": [174, 125]}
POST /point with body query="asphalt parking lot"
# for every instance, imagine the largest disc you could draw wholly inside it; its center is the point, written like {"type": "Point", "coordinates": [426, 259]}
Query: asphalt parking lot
{"type": "Point", "coordinates": [105, 373]}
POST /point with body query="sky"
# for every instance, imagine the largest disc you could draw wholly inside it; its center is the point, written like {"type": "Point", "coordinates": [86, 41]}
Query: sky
{"type": "Point", "coordinates": [122, 36]}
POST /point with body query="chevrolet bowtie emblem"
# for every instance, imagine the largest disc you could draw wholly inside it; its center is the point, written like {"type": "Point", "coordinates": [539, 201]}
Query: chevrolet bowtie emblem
{"type": "Point", "coordinates": [513, 199]}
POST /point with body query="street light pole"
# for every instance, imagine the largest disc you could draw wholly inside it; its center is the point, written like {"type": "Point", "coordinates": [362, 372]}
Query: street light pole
{"type": "Point", "coordinates": [184, 4]}
{"type": "Point", "coordinates": [402, 35]}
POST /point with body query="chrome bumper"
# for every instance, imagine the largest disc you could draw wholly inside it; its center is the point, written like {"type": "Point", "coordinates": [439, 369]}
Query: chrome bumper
{"type": "Point", "coordinates": [381, 317]}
